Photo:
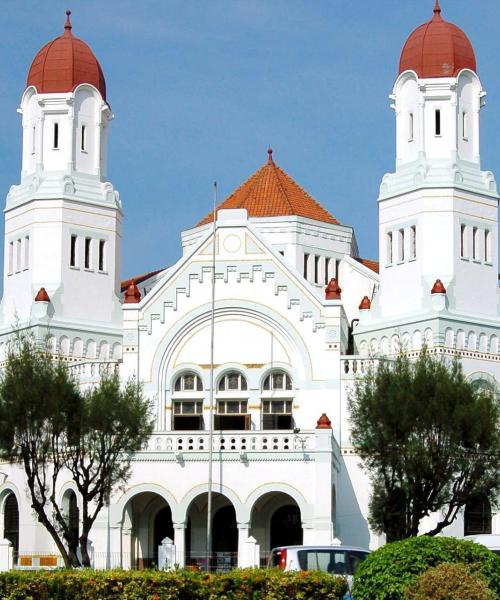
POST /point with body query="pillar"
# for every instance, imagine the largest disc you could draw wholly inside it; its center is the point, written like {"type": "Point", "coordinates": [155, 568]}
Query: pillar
{"type": "Point", "coordinates": [243, 535]}
{"type": "Point", "coordinates": [180, 543]}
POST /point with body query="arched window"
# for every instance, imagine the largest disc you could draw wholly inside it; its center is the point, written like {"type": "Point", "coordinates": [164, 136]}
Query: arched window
{"type": "Point", "coordinates": [188, 382]}
{"type": "Point", "coordinates": [233, 382]}
{"type": "Point", "coordinates": [277, 381]}
{"type": "Point", "coordinates": [232, 402]}
{"type": "Point", "coordinates": [477, 517]}
{"type": "Point", "coordinates": [187, 403]}
{"type": "Point", "coordinates": [64, 345]}
{"type": "Point", "coordinates": [11, 523]}
{"type": "Point", "coordinates": [277, 401]}
{"type": "Point", "coordinates": [485, 386]}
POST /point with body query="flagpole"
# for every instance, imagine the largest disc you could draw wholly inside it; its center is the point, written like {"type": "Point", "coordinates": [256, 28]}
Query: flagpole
{"type": "Point", "coordinates": [211, 407]}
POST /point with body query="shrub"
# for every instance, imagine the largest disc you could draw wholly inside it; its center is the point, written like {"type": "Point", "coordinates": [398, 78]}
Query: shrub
{"type": "Point", "coordinates": [387, 572]}
{"type": "Point", "coordinates": [450, 581]}
{"type": "Point", "coordinates": [240, 584]}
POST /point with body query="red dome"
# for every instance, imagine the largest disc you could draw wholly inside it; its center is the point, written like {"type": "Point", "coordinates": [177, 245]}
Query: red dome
{"type": "Point", "coordinates": [437, 49]}
{"type": "Point", "coordinates": [64, 63]}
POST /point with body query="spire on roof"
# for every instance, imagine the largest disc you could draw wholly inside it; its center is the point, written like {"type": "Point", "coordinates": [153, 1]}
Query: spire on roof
{"type": "Point", "coordinates": [67, 25]}
{"type": "Point", "coordinates": [270, 155]}
{"type": "Point", "coordinates": [437, 10]}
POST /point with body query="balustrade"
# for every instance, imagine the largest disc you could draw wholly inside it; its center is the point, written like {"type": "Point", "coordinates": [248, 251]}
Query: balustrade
{"type": "Point", "coordinates": [251, 441]}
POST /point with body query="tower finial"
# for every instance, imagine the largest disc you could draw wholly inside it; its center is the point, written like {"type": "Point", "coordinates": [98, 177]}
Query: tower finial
{"type": "Point", "coordinates": [437, 8]}
{"type": "Point", "coordinates": [67, 25]}
{"type": "Point", "coordinates": [270, 155]}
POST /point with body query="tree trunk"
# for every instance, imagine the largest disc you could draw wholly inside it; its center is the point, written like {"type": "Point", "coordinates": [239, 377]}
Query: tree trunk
{"type": "Point", "coordinates": [43, 519]}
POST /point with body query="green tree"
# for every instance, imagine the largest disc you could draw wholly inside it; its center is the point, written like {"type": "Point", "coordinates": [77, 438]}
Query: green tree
{"type": "Point", "coordinates": [37, 397]}
{"type": "Point", "coordinates": [49, 426]}
{"type": "Point", "coordinates": [429, 440]}
{"type": "Point", "coordinates": [112, 424]}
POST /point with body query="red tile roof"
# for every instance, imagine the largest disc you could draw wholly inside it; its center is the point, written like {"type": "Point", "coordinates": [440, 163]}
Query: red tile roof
{"type": "Point", "coordinates": [270, 192]}
{"type": "Point", "coordinates": [138, 279]}
{"type": "Point", "coordinates": [370, 264]}
{"type": "Point", "coordinates": [64, 63]}
{"type": "Point", "coordinates": [437, 49]}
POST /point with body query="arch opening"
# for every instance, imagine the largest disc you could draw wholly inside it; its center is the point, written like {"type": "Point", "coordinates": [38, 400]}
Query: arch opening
{"type": "Point", "coordinates": [224, 548]}
{"type": "Point", "coordinates": [147, 522]}
{"type": "Point", "coordinates": [11, 523]}
{"type": "Point", "coordinates": [276, 520]}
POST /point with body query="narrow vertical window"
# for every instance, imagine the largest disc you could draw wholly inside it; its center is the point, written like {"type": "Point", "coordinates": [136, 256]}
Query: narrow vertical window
{"type": "Point", "coordinates": [337, 270]}
{"type": "Point", "coordinates": [306, 260]}
{"type": "Point", "coordinates": [87, 253]}
{"type": "Point", "coordinates": [410, 127]}
{"type": "Point", "coordinates": [465, 133]}
{"type": "Point", "coordinates": [437, 119]}
{"type": "Point", "coordinates": [327, 270]}
{"type": "Point", "coordinates": [83, 140]}
{"type": "Point", "coordinates": [72, 252]}
{"type": "Point", "coordinates": [401, 244]}
{"type": "Point", "coordinates": [389, 248]}
{"type": "Point", "coordinates": [487, 245]}
{"type": "Point", "coordinates": [56, 136]}
{"type": "Point", "coordinates": [18, 255]}
{"type": "Point", "coordinates": [316, 269]}
{"type": "Point", "coordinates": [102, 246]}
{"type": "Point", "coordinates": [413, 241]}
{"type": "Point", "coordinates": [463, 246]}
{"type": "Point", "coordinates": [11, 258]}
{"type": "Point", "coordinates": [474, 243]}
{"type": "Point", "coordinates": [33, 139]}
{"type": "Point", "coordinates": [27, 252]}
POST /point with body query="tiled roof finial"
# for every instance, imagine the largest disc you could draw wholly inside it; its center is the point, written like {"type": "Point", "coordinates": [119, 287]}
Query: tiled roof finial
{"type": "Point", "coordinates": [67, 25]}
{"type": "Point", "coordinates": [437, 11]}
{"type": "Point", "coordinates": [270, 155]}
{"type": "Point", "coordinates": [132, 294]}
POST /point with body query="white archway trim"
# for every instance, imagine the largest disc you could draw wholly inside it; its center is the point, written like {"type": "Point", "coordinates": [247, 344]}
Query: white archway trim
{"type": "Point", "coordinates": [201, 489]}
{"type": "Point", "coordinates": [151, 488]}
{"type": "Point", "coordinates": [6, 489]}
{"type": "Point", "coordinates": [276, 488]}
{"type": "Point", "coordinates": [69, 486]}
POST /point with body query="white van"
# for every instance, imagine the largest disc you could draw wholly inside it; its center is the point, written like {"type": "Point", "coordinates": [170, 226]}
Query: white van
{"type": "Point", "coordinates": [491, 541]}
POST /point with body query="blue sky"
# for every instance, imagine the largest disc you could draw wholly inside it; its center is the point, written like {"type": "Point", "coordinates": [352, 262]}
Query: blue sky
{"type": "Point", "coordinates": [200, 88]}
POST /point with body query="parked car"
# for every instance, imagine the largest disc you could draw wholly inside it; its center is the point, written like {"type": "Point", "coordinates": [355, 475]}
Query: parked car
{"type": "Point", "coordinates": [491, 541]}
{"type": "Point", "coordinates": [337, 560]}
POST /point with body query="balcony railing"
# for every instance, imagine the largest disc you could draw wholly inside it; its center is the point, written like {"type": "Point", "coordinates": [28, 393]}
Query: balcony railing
{"type": "Point", "coordinates": [231, 441]}
{"type": "Point", "coordinates": [92, 371]}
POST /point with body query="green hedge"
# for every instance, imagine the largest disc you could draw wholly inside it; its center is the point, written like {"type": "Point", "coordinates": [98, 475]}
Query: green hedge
{"type": "Point", "coordinates": [390, 570]}
{"type": "Point", "coordinates": [240, 584]}
{"type": "Point", "coordinates": [450, 581]}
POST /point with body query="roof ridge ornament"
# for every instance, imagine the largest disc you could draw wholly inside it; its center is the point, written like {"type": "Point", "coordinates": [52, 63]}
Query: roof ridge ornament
{"type": "Point", "coordinates": [270, 160]}
{"type": "Point", "coordinates": [67, 26]}
{"type": "Point", "coordinates": [437, 10]}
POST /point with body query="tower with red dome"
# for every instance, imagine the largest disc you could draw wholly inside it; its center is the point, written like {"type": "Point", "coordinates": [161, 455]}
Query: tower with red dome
{"type": "Point", "coordinates": [438, 210]}
{"type": "Point", "coordinates": [63, 220]}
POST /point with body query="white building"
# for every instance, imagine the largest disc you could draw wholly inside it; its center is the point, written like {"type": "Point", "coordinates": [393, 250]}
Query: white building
{"type": "Point", "coordinates": [286, 349]}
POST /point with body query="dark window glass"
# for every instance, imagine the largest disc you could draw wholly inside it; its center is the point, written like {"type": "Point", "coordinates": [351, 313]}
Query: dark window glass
{"type": "Point", "coordinates": [438, 121]}
{"type": "Point", "coordinates": [72, 257]}
{"type": "Point", "coordinates": [87, 253]}
{"type": "Point", "coordinates": [101, 255]}
{"type": "Point", "coordinates": [477, 517]}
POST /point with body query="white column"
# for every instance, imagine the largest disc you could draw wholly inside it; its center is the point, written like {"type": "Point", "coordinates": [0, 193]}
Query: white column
{"type": "Point", "coordinates": [243, 534]}
{"type": "Point", "coordinates": [126, 548]}
{"type": "Point", "coordinates": [6, 555]}
{"type": "Point", "coordinates": [180, 543]}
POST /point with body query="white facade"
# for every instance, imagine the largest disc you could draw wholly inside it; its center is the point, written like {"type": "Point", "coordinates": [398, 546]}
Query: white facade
{"type": "Point", "coordinates": [284, 355]}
